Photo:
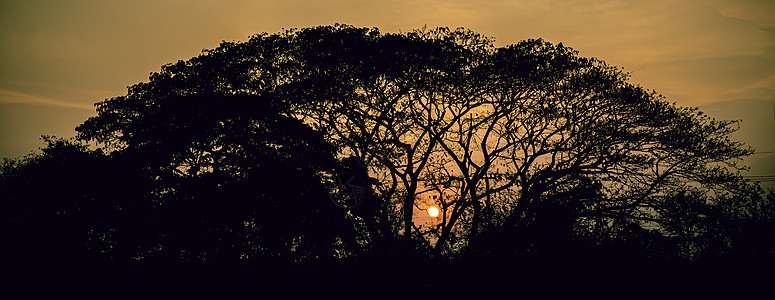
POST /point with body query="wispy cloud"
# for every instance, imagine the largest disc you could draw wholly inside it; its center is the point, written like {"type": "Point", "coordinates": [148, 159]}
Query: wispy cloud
{"type": "Point", "coordinates": [9, 96]}
{"type": "Point", "coordinates": [761, 12]}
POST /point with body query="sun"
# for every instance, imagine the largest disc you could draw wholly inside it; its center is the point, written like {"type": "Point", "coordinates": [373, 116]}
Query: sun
{"type": "Point", "coordinates": [433, 211]}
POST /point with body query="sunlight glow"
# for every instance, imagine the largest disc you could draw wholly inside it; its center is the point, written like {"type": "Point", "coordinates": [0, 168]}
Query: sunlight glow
{"type": "Point", "coordinates": [433, 211]}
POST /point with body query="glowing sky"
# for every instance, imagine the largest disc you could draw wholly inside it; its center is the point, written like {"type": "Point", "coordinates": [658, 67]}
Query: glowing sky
{"type": "Point", "coordinates": [59, 57]}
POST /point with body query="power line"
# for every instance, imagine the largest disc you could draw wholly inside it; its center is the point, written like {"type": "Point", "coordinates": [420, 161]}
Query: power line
{"type": "Point", "coordinates": [761, 178]}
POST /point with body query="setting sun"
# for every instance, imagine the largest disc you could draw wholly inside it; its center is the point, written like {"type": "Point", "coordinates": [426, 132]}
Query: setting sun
{"type": "Point", "coordinates": [433, 211]}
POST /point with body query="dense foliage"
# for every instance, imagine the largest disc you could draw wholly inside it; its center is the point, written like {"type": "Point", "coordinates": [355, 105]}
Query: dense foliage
{"type": "Point", "coordinates": [526, 149]}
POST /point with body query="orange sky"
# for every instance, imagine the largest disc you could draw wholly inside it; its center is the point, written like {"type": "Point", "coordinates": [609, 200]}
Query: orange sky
{"type": "Point", "coordinates": [59, 57]}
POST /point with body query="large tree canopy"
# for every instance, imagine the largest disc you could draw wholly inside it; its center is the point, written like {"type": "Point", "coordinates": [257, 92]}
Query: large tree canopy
{"type": "Point", "coordinates": [524, 148]}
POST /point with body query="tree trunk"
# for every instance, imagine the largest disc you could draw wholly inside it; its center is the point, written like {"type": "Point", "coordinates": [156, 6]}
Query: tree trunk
{"type": "Point", "coordinates": [408, 213]}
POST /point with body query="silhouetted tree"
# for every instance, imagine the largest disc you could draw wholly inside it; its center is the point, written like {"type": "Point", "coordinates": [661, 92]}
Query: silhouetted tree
{"type": "Point", "coordinates": [495, 132]}
{"type": "Point", "coordinates": [526, 149]}
{"type": "Point", "coordinates": [61, 204]}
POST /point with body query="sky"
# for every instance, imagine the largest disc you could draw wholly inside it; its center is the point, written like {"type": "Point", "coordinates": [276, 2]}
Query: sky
{"type": "Point", "coordinates": [58, 58]}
